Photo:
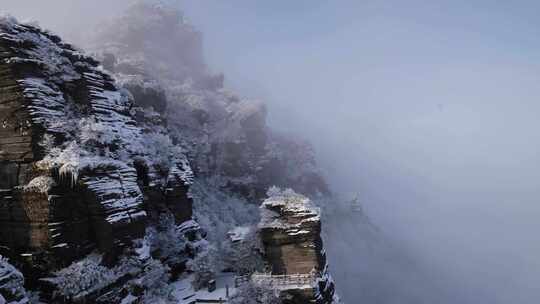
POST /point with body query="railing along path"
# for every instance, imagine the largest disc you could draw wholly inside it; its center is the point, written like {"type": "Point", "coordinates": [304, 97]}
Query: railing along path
{"type": "Point", "coordinates": [277, 279]}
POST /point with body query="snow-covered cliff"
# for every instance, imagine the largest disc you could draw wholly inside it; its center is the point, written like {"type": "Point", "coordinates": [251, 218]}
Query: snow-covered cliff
{"type": "Point", "coordinates": [80, 172]}
{"type": "Point", "coordinates": [98, 198]}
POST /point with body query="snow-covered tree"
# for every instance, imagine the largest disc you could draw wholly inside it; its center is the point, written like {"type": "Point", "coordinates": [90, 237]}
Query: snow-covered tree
{"type": "Point", "coordinates": [255, 293]}
{"type": "Point", "coordinates": [286, 194]}
{"type": "Point", "coordinates": [155, 281]}
{"type": "Point", "coordinates": [82, 276]}
{"type": "Point", "coordinates": [95, 133]}
{"type": "Point", "coordinates": [166, 241]}
{"type": "Point", "coordinates": [205, 264]}
{"type": "Point", "coordinates": [11, 283]}
{"type": "Point", "coordinates": [243, 255]}
{"type": "Point", "coordinates": [160, 150]}
{"type": "Point", "coordinates": [219, 211]}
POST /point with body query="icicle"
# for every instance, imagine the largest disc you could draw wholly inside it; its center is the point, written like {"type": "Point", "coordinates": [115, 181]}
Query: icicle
{"type": "Point", "coordinates": [71, 172]}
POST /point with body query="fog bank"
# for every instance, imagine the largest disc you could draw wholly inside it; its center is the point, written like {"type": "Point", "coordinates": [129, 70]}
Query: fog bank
{"type": "Point", "coordinates": [428, 110]}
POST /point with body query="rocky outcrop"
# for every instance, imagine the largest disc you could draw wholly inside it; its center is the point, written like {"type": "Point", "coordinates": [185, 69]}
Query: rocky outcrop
{"type": "Point", "coordinates": [71, 155]}
{"type": "Point", "coordinates": [290, 230]}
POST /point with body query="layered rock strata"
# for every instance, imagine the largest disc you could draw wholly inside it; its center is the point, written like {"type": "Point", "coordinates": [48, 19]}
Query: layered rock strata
{"type": "Point", "coordinates": [290, 230]}
{"type": "Point", "coordinates": [75, 171]}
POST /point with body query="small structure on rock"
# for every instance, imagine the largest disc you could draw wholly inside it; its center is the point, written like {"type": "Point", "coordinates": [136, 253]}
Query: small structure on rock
{"type": "Point", "coordinates": [356, 206]}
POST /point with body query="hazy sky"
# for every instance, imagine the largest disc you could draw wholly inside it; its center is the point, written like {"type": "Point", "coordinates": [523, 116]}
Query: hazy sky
{"type": "Point", "coordinates": [430, 109]}
{"type": "Point", "coordinates": [457, 77]}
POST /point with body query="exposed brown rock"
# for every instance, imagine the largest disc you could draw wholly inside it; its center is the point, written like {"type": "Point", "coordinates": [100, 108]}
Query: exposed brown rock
{"type": "Point", "coordinates": [290, 230]}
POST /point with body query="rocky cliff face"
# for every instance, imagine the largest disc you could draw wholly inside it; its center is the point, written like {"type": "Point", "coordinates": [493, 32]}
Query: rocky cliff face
{"type": "Point", "coordinates": [78, 171]}
{"type": "Point", "coordinates": [290, 230]}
